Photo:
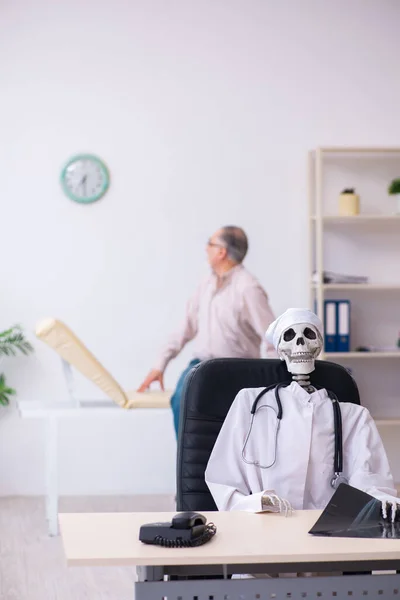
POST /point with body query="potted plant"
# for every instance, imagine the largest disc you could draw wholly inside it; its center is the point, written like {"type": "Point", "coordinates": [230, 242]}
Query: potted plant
{"type": "Point", "coordinates": [349, 203]}
{"type": "Point", "coordinates": [394, 190]}
{"type": "Point", "coordinates": [12, 341]}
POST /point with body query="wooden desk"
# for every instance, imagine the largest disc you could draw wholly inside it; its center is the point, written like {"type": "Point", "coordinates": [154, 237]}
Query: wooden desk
{"type": "Point", "coordinates": [244, 543]}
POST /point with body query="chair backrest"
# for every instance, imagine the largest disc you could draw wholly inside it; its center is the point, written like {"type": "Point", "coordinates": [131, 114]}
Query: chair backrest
{"type": "Point", "coordinates": [209, 391]}
{"type": "Point", "coordinates": [60, 337]}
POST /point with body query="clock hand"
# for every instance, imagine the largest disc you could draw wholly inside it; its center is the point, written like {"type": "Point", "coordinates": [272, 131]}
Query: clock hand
{"type": "Point", "coordinates": [84, 178]}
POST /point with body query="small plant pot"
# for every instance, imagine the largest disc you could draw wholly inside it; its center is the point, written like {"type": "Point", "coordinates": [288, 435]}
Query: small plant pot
{"type": "Point", "coordinates": [349, 205]}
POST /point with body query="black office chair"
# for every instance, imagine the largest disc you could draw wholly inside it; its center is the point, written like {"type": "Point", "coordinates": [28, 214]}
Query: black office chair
{"type": "Point", "coordinates": [209, 391]}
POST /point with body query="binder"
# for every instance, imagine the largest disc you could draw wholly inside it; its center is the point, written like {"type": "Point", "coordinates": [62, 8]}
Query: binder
{"type": "Point", "coordinates": [343, 325]}
{"type": "Point", "coordinates": [330, 317]}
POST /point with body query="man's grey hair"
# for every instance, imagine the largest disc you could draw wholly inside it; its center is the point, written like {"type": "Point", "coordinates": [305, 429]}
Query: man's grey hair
{"type": "Point", "coordinates": [235, 241]}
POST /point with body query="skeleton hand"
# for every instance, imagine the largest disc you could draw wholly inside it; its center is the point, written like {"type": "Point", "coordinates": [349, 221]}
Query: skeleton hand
{"type": "Point", "coordinates": [270, 502]}
{"type": "Point", "coordinates": [389, 530]}
{"type": "Point", "coordinates": [390, 510]}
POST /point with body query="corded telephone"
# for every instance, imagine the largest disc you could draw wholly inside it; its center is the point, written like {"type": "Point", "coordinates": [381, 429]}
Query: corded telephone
{"type": "Point", "coordinates": [186, 529]}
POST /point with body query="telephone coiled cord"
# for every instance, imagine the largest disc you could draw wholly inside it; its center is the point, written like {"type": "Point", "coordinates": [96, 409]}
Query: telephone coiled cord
{"type": "Point", "coordinates": [209, 532]}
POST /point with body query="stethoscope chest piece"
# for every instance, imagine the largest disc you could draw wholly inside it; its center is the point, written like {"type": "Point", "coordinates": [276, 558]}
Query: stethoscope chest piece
{"type": "Point", "coordinates": [337, 479]}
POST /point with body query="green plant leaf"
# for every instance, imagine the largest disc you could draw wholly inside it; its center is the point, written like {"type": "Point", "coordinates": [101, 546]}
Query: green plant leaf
{"type": "Point", "coordinates": [5, 391]}
{"type": "Point", "coordinates": [12, 341]}
{"type": "Point", "coordinates": [394, 187]}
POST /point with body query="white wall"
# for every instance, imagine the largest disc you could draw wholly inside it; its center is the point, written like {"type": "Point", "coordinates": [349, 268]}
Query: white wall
{"type": "Point", "coordinates": [204, 113]}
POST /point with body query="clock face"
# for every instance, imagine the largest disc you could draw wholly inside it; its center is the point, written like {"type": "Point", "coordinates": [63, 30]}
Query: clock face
{"type": "Point", "coordinates": [85, 178]}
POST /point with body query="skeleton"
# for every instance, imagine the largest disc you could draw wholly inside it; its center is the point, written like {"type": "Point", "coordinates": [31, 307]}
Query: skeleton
{"type": "Point", "coordinates": [299, 346]}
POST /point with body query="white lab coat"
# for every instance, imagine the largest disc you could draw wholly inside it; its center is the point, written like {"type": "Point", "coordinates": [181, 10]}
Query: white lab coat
{"type": "Point", "coordinates": [304, 451]}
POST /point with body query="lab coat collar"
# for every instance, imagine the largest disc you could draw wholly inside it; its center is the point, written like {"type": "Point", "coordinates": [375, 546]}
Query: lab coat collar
{"type": "Point", "coordinates": [304, 397]}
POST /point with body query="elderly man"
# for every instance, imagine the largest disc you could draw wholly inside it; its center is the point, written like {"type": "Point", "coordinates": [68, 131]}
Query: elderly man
{"type": "Point", "coordinates": [227, 314]}
{"type": "Point", "coordinates": [285, 450]}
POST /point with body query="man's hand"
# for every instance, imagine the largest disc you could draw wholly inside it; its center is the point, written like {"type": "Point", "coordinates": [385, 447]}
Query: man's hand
{"type": "Point", "coordinates": [154, 375]}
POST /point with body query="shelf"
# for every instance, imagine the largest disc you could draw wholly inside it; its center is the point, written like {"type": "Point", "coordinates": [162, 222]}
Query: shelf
{"type": "Point", "coordinates": [361, 355]}
{"type": "Point", "coordinates": [387, 421]}
{"type": "Point", "coordinates": [358, 286]}
{"type": "Point", "coordinates": [358, 219]}
{"type": "Point", "coordinates": [358, 150]}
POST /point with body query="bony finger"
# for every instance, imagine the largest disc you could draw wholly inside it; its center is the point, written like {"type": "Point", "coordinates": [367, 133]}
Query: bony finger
{"type": "Point", "coordinates": [392, 511]}
{"type": "Point", "coordinates": [396, 512]}
{"type": "Point", "coordinates": [394, 507]}
{"type": "Point", "coordinates": [287, 508]}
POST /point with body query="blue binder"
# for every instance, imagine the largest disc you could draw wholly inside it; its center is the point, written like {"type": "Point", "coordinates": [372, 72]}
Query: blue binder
{"type": "Point", "coordinates": [343, 325]}
{"type": "Point", "coordinates": [330, 317]}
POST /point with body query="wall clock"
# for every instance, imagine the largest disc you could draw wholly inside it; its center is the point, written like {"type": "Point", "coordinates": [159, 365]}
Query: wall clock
{"type": "Point", "coordinates": [85, 178]}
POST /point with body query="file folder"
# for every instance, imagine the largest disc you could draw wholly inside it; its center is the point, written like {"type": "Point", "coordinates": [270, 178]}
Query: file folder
{"type": "Point", "coordinates": [330, 335]}
{"type": "Point", "coordinates": [343, 326]}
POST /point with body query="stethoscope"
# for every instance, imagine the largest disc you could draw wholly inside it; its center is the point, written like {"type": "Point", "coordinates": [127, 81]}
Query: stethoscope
{"type": "Point", "coordinates": [338, 477]}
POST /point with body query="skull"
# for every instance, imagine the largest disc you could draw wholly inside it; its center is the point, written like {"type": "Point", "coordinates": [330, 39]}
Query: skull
{"type": "Point", "coordinates": [299, 346]}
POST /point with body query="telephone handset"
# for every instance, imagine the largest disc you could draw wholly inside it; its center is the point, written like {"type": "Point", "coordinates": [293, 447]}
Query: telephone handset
{"type": "Point", "coordinates": [186, 529]}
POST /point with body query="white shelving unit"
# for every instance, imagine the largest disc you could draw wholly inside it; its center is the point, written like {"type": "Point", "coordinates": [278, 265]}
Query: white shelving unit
{"type": "Point", "coordinates": [320, 221]}
{"type": "Point", "coordinates": [377, 218]}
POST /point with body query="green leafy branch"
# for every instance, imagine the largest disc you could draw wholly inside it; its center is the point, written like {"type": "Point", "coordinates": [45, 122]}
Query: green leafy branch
{"type": "Point", "coordinates": [13, 340]}
{"type": "Point", "coordinates": [5, 391]}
